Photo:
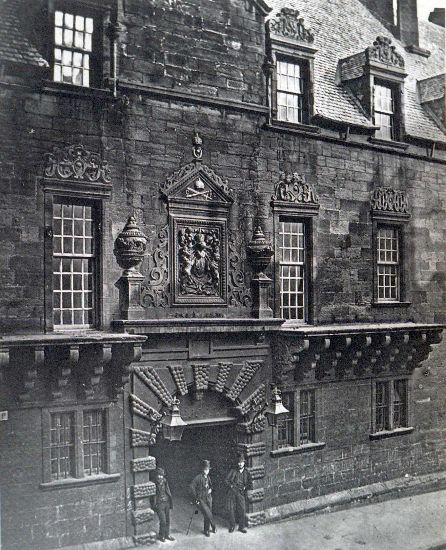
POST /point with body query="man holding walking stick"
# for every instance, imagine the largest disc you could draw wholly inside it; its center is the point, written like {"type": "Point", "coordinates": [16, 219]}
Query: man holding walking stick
{"type": "Point", "coordinates": [201, 489]}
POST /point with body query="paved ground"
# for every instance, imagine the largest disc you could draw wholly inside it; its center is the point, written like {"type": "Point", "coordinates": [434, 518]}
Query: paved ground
{"type": "Point", "coordinates": [410, 523]}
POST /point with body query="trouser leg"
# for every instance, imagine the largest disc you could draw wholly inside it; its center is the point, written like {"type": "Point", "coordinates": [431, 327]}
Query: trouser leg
{"type": "Point", "coordinates": [161, 511]}
{"type": "Point", "coordinates": [231, 510]}
{"type": "Point", "coordinates": [167, 529]}
{"type": "Point", "coordinates": [241, 510]}
{"type": "Point", "coordinates": [206, 510]}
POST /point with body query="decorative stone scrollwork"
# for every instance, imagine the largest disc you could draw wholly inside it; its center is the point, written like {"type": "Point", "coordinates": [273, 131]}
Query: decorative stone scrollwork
{"type": "Point", "coordinates": [245, 375]}
{"type": "Point", "coordinates": [177, 372]}
{"type": "Point", "coordinates": [294, 188]}
{"type": "Point", "coordinates": [151, 379]}
{"type": "Point", "coordinates": [386, 199]}
{"type": "Point", "coordinates": [74, 162]}
{"type": "Point", "coordinates": [289, 24]}
{"type": "Point", "coordinates": [154, 292]}
{"type": "Point", "coordinates": [384, 52]}
{"type": "Point", "coordinates": [238, 293]}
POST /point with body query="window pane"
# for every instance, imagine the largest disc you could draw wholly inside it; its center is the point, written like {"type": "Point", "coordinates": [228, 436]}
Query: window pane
{"type": "Point", "coordinates": [292, 269]}
{"type": "Point", "coordinates": [285, 424]}
{"type": "Point", "coordinates": [388, 263]}
{"type": "Point", "coordinates": [289, 92]}
{"type": "Point", "coordinates": [382, 415]}
{"type": "Point", "coordinates": [384, 111]}
{"type": "Point", "coordinates": [307, 417]}
{"type": "Point", "coordinates": [400, 403]}
{"type": "Point", "coordinates": [62, 445]}
{"type": "Point", "coordinates": [94, 444]}
{"type": "Point", "coordinates": [74, 266]}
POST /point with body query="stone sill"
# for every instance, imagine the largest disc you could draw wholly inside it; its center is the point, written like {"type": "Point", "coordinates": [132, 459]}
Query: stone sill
{"type": "Point", "coordinates": [296, 128]}
{"type": "Point", "coordinates": [391, 304]}
{"type": "Point", "coordinates": [175, 326]}
{"type": "Point", "coordinates": [79, 482]}
{"type": "Point", "coordinates": [286, 451]}
{"type": "Point", "coordinates": [72, 337]}
{"type": "Point", "coordinates": [387, 143]}
{"type": "Point", "coordinates": [72, 89]}
{"type": "Point", "coordinates": [391, 433]}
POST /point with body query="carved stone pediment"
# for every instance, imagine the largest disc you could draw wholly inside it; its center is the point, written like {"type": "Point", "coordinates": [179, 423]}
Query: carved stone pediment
{"type": "Point", "coordinates": [290, 25]}
{"type": "Point", "coordinates": [293, 192]}
{"type": "Point", "coordinates": [74, 162]}
{"type": "Point", "coordinates": [388, 202]}
{"type": "Point", "coordinates": [383, 52]}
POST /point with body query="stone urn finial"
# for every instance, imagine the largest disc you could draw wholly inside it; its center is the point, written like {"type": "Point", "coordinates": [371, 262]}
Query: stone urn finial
{"type": "Point", "coordinates": [197, 146]}
{"type": "Point", "coordinates": [130, 246]}
{"type": "Point", "coordinates": [259, 251]}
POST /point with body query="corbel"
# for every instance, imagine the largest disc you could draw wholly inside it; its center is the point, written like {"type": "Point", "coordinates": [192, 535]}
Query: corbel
{"type": "Point", "coordinates": [30, 374]}
{"type": "Point", "coordinates": [64, 370]}
{"type": "Point", "coordinates": [100, 359]}
{"type": "Point", "coordinates": [123, 356]}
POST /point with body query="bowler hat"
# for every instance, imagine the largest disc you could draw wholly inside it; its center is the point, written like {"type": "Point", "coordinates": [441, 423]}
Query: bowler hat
{"type": "Point", "coordinates": [160, 472]}
{"type": "Point", "coordinates": [241, 457]}
{"type": "Point", "coordinates": [205, 464]}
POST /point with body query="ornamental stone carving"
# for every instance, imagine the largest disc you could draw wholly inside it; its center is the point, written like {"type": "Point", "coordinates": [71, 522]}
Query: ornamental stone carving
{"type": "Point", "coordinates": [289, 24]}
{"type": "Point", "coordinates": [260, 251]}
{"type": "Point", "coordinates": [199, 261]}
{"type": "Point", "coordinates": [154, 291]}
{"type": "Point", "coordinates": [239, 295]}
{"type": "Point", "coordinates": [130, 246]}
{"type": "Point", "coordinates": [74, 162]}
{"type": "Point", "coordinates": [294, 188]}
{"type": "Point", "coordinates": [384, 52]}
{"type": "Point", "coordinates": [386, 199]}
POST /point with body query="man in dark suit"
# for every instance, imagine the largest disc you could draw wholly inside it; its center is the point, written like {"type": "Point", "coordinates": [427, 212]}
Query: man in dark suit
{"type": "Point", "coordinates": [163, 504]}
{"type": "Point", "coordinates": [239, 481]}
{"type": "Point", "coordinates": [201, 489]}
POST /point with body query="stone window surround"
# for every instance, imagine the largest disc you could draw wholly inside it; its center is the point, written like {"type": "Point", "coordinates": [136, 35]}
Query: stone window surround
{"type": "Point", "coordinates": [307, 447]}
{"type": "Point", "coordinates": [398, 224]}
{"type": "Point", "coordinates": [374, 435]}
{"type": "Point", "coordinates": [80, 192]}
{"type": "Point", "coordinates": [398, 109]}
{"type": "Point", "coordinates": [79, 478]}
{"type": "Point", "coordinates": [100, 70]}
{"type": "Point", "coordinates": [305, 214]}
{"type": "Point", "coordinates": [302, 55]}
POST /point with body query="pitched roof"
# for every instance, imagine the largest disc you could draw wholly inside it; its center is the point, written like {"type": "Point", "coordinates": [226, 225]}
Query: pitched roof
{"type": "Point", "coordinates": [14, 46]}
{"type": "Point", "coordinates": [346, 27]}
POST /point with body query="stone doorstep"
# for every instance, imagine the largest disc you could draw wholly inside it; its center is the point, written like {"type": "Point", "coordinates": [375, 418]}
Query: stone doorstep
{"type": "Point", "coordinates": [385, 490]}
{"type": "Point", "coordinates": [110, 544]}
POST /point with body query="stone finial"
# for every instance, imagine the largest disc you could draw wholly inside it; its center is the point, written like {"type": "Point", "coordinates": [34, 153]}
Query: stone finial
{"type": "Point", "coordinates": [259, 250]}
{"type": "Point", "coordinates": [383, 51]}
{"type": "Point", "coordinates": [130, 246]}
{"type": "Point", "coordinates": [289, 24]}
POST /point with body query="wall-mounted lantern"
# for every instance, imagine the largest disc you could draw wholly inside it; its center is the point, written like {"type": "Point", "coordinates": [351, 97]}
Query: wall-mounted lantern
{"type": "Point", "coordinates": [172, 423]}
{"type": "Point", "coordinates": [276, 409]}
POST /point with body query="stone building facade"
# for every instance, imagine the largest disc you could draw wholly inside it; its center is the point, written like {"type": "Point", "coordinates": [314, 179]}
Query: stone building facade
{"type": "Point", "coordinates": [204, 201]}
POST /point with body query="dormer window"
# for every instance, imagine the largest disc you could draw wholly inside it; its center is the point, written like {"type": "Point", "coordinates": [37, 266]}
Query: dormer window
{"type": "Point", "coordinates": [384, 111]}
{"type": "Point", "coordinates": [290, 54]}
{"type": "Point", "coordinates": [73, 44]}
{"type": "Point", "coordinates": [291, 87]}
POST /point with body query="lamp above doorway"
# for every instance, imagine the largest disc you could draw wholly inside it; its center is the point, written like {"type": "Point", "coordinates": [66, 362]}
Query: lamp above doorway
{"type": "Point", "coordinates": [276, 409]}
{"type": "Point", "coordinates": [172, 423]}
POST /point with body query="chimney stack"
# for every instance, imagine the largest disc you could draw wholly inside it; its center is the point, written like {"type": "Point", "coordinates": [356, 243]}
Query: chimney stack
{"type": "Point", "coordinates": [437, 16]}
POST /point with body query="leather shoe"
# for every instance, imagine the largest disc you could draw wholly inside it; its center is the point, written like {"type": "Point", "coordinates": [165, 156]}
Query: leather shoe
{"type": "Point", "coordinates": [214, 529]}
{"type": "Point", "coordinates": [161, 539]}
{"type": "Point", "coordinates": [231, 529]}
{"type": "Point", "coordinates": [242, 530]}
{"type": "Point", "coordinates": [206, 534]}
{"type": "Point", "coordinates": [169, 538]}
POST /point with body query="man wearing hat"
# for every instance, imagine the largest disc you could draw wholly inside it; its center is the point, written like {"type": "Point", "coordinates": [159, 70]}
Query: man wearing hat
{"type": "Point", "coordinates": [201, 489]}
{"type": "Point", "coordinates": [239, 481]}
{"type": "Point", "coordinates": [163, 504]}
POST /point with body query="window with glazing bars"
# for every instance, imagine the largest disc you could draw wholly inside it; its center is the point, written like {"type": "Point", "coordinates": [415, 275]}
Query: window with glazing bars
{"type": "Point", "coordinates": [73, 46]}
{"type": "Point", "coordinates": [74, 261]}
{"type": "Point", "coordinates": [391, 405]}
{"type": "Point", "coordinates": [292, 270]}
{"type": "Point", "coordinates": [307, 417]}
{"type": "Point", "coordinates": [290, 92]}
{"type": "Point", "coordinates": [384, 112]}
{"type": "Point", "coordinates": [388, 260]}
{"type": "Point", "coordinates": [62, 445]}
{"type": "Point", "coordinates": [94, 442]}
{"type": "Point", "coordinates": [285, 424]}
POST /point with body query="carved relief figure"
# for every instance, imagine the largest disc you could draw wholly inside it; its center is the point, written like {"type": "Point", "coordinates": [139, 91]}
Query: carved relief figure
{"type": "Point", "coordinates": [199, 261]}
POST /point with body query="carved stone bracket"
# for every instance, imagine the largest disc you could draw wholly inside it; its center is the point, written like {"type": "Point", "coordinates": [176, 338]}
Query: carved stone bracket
{"type": "Point", "coordinates": [121, 365]}
{"type": "Point", "coordinates": [63, 370]}
{"type": "Point", "coordinates": [33, 363]}
{"type": "Point", "coordinates": [95, 364]}
{"type": "Point", "coordinates": [355, 354]}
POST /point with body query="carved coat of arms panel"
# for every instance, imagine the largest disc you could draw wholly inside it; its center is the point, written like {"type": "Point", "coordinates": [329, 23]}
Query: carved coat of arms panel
{"type": "Point", "coordinates": [199, 259]}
